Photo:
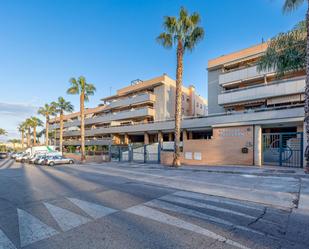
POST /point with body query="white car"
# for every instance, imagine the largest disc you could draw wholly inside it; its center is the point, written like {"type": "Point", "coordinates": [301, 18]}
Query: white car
{"type": "Point", "coordinates": [22, 157]}
{"type": "Point", "coordinates": [53, 160]}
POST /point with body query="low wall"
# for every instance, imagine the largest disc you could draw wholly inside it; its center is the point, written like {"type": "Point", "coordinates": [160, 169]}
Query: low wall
{"type": "Point", "coordinates": [224, 148]}
{"type": "Point", "coordinates": [95, 158]}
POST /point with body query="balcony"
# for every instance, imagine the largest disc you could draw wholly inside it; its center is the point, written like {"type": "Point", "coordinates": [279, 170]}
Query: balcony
{"type": "Point", "coordinates": [106, 118]}
{"type": "Point", "coordinates": [105, 141]}
{"type": "Point", "coordinates": [263, 116]}
{"type": "Point", "coordinates": [263, 91]}
{"type": "Point", "coordinates": [133, 100]}
{"type": "Point", "coordinates": [240, 75]}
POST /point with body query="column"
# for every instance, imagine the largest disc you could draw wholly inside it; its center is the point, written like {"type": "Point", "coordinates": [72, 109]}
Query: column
{"type": "Point", "coordinates": [184, 135]}
{"type": "Point", "coordinates": [126, 138]}
{"type": "Point", "coordinates": [160, 137]}
{"type": "Point", "coordinates": [257, 145]}
{"type": "Point", "coordinates": [170, 137]}
{"type": "Point", "coordinates": [146, 138]}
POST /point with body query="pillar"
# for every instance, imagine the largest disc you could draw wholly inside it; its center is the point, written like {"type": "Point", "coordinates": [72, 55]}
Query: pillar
{"type": "Point", "coordinates": [146, 138]}
{"type": "Point", "coordinates": [170, 137]}
{"type": "Point", "coordinates": [126, 138]}
{"type": "Point", "coordinates": [184, 135]}
{"type": "Point", "coordinates": [257, 145]}
{"type": "Point", "coordinates": [160, 137]}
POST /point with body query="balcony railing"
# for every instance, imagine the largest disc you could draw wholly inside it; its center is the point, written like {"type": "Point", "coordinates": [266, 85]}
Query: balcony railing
{"type": "Point", "coordinates": [262, 91]}
{"type": "Point", "coordinates": [135, 99]}
{"type": "Point", "coordinates": [121, 115]}
{"type": "Point", "coordinates": [242, 75]}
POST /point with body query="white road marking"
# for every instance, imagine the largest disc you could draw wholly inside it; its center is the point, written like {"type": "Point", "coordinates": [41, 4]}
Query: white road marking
{"type": "Point", "coordinates": [174, 208]}
{"type": "Point", "coordinates": [5, 242]}
{"type": "Point", "coordinates": [216, 199]}
{"type": "Point", "coordinates": [158, 216]}
{"type": "Point", "coordinates": [31, 229]}
{"type": "Point", "coordinates": [65, 218]}
{"type": "Point", "coordinates": [203, 205]}
{"type": "Point", "coordinates": [94, 210]}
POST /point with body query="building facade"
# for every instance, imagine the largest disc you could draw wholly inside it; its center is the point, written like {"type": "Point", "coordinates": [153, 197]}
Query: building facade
{"type": "Point", "coordinates": [254, 118]}
{"type": "Point", "coordinates": [142, 102]}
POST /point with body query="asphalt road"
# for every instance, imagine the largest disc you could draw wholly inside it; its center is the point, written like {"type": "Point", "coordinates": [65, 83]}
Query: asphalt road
{"type": "Point", "coordinates": [146, 206]}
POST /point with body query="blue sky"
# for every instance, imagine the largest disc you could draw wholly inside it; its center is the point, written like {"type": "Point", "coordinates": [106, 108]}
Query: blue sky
{"type": "Point", "coordinates": [45, 42]}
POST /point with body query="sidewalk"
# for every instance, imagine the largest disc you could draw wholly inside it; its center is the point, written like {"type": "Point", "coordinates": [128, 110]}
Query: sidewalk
{"type": "Point", "coordinates": [250, 170]}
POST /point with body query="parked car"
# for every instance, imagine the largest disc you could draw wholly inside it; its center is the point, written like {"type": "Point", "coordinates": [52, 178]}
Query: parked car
{"type": "Point", "coordinates": [3, 155]}
{"type": "Point", "coordinates": [40, 159]}
{"type": "Point", "coordinates": [33, 158]}
{"type": "Point", "coordinates": [15, 154]}
{"type": "Point", "coordinates": [21, 157]}
{"type": "Point", "coordinates": [51, 161]}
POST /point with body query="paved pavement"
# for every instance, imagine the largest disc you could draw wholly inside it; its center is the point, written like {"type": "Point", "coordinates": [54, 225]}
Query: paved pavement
{"type": "Point", "coordinates": [148, 206]}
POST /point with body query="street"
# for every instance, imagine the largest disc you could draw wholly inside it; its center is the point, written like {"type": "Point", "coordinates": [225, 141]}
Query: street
{"type": "Point", "coordinates": [115, 205]}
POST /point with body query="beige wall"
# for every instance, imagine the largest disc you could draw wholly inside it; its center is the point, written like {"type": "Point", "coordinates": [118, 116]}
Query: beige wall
{"type": "Point", "coordinates": [223, 149]}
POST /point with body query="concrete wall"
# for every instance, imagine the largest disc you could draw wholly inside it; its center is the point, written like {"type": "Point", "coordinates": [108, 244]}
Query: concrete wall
{"type": "Point", "coordinates": [97, 159]}
{"type": "Point", "coordinates": [213, 92]}
{"type": "Point", "coordinates": [225, 148]}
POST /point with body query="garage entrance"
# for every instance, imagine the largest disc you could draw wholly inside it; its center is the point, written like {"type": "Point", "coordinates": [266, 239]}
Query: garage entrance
{"type": "Point", "coordinates": [283, 149]}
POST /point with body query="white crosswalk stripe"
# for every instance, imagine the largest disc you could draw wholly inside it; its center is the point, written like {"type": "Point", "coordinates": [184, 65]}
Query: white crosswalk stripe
{"type": "Point", "coordinates": [158, 216]}
{"type": "Point", "coordinates": [204, 205]}
{"type": "Point", "coordinates": [31, 229]}
{"type": "Point", "coordinates": [94, 210]}
{"type": "Point", "coordinates": [197, 214]}
{"type": "Point", "coordinates": [5, 242]}
{"type": "Point", "coordinates": [216, 199]}
{"type": "Point", "coordinates": [65, 218]}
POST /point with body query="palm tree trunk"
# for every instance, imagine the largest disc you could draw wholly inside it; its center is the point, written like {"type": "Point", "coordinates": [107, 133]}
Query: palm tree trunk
{"type": "Point", "coordinates": [61, 132]}
{"type": "Point", "coordinates": [178, 103]}
{"type": "Point", "coordinates": [28, 138]}
{"type": "Point", "coordinates": [34, 135]}
{"type": "Point", "coordinates": [307, 95]}
{"type": "Point", "coordinates": [82, 126]}
{"type": "Point", "coordinates": [46, 130]}
{"type": "Point", "coordinates": [22, 139]}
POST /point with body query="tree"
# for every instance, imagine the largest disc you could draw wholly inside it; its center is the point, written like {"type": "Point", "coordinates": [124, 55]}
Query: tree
{"type": "Point", "coordinates": [28, 126]}
{"type": "Point", "coordinates": [62, 106]}
{"type": "Point", "coordinates": [14, 142]}
{"type": "Point", "coordinates": [2, 132]}
{"type": "Point", "coordinates": [286, 52]}
{"type": "Point", "coordinates": [84, 90]}
{"type": "Point", "coordinates": [34, 122]}
{"type": "Point", "coordinates": [47, 110]}
{"type": "Point", "coordinates": [22, 129]}
{"type": "Point", "coordinates": [184, 33]}
{"type": "Point", "coordinates": [291, 5]}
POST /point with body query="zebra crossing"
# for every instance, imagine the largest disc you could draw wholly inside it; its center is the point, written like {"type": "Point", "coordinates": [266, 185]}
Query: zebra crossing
{"type": "Point", "coordinates": [167, 209]}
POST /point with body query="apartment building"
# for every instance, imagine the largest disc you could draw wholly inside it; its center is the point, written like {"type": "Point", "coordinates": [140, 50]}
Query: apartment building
{"type": "Point", "coordinates": [254, 117]}
{"type": "Point", "coordinates": [235, 84]}
{"type": "Point", "coordinates": [141, 102]}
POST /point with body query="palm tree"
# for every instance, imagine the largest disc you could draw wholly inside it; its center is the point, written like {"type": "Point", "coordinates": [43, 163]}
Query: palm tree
{"type": "Point", "coordinates": [46, 111]}
{"type": "Point", "coordinates": [84, 90]}
{"type": "Point", "coordinates": [34, 122]}
{"type": "Point", "coordinates": [290, 5]}
{"type": "Point", "coordinates": [14, 142]}
{"type": "Point", "coordinates": [22, 129]}
{"type": "Point", "coordinates": [184, 33]}
{"type": "Point", "coordinates": [62, 106]}
{"type": "Point", "coordinates": [286, 52]}
{"type": "Point", "coordinates": [2, 132]}
{"type": "Point", "coordinates": [28, 125]}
